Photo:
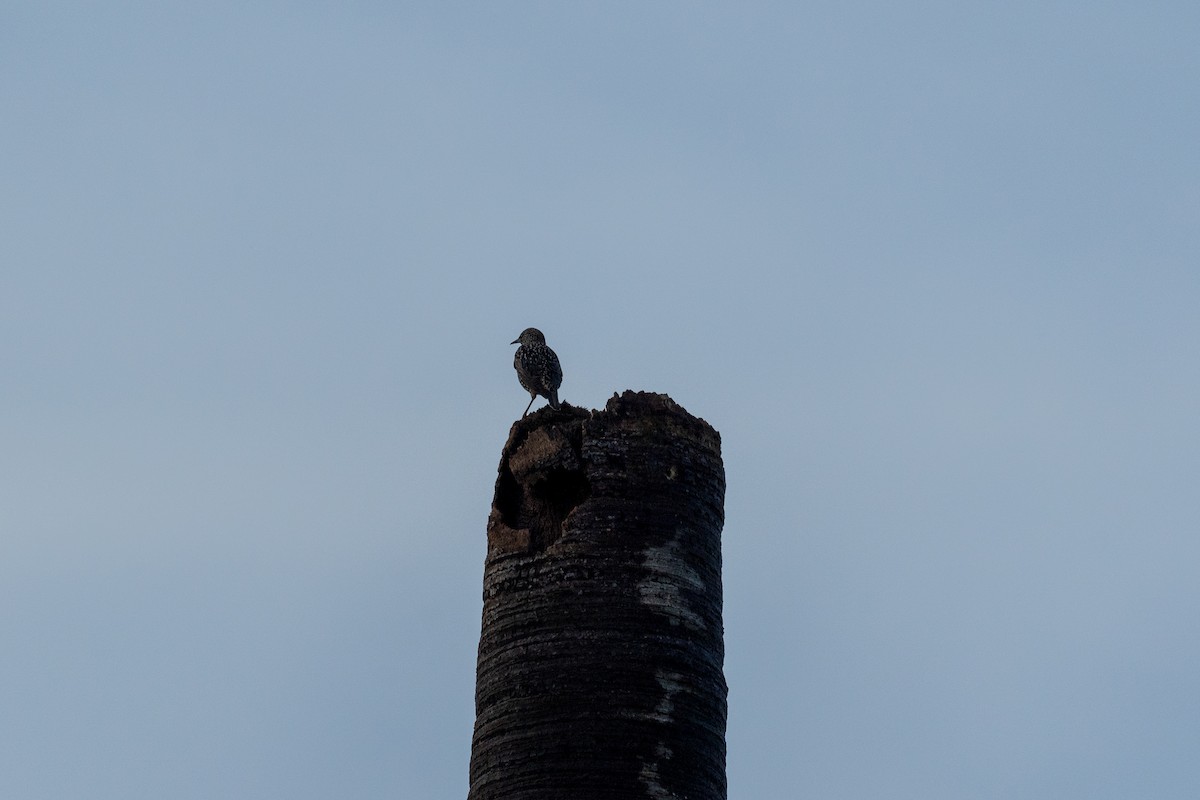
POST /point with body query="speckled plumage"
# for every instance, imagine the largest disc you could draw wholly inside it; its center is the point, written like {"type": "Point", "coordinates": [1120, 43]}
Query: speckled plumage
{"type": "Point", "coordinates": [537, 367]}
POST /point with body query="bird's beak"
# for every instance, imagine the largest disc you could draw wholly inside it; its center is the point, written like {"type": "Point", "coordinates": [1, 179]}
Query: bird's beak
{"type": "Point", "coordinates": [514, 341]}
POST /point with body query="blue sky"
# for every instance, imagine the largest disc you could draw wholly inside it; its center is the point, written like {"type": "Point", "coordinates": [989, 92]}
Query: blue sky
{"type": "Point", "coordinates": [932, 271]}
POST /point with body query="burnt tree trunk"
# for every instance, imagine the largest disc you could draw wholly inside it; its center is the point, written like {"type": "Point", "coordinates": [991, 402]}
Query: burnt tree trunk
{"type": "Point", "coordinates": [600, 661]}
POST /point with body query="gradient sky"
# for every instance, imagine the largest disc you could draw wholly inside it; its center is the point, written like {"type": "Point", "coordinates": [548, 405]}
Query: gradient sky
{"type": "Point", "coordinates": [932, 269]}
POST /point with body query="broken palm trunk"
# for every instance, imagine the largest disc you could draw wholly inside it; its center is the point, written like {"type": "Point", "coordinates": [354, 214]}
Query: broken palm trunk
{"type": "Point", "coordinates": [600, 660]}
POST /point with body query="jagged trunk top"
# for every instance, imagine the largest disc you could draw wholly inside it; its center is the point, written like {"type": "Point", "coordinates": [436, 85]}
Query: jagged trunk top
{"type": "Point", "coordinates": [600, 661]}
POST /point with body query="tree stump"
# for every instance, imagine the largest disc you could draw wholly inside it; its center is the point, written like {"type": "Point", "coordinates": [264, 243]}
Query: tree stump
{"type": "Point", "coordinates": [600, 659]}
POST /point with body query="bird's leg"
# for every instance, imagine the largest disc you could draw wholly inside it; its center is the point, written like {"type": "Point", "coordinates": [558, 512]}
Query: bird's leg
{"type": "Point", "coordinates": [532, 397]}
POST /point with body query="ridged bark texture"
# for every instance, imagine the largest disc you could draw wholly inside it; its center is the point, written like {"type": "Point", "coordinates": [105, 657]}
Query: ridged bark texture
{"type": "Point", "coordinates": [600, 660]}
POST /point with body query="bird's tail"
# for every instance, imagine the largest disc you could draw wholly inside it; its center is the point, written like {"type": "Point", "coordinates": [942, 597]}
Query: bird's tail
{"type": "Point", "coordinates": [553, 398]}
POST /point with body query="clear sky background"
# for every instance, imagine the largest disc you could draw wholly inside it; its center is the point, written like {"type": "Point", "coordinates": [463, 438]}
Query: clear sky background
{"type": "Point", "coordinates": [932, 269]}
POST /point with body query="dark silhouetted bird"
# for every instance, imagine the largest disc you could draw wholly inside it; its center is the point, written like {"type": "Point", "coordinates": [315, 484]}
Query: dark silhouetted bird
{"type": "Point", "coordinates": [537, 367]}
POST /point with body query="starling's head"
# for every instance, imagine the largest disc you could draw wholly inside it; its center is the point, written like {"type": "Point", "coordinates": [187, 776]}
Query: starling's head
{"type": "Point", "coordinates": [530, 336]}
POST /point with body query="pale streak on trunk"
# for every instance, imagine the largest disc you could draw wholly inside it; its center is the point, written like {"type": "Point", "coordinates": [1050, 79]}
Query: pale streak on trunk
{"type": "Point", "coordinates": [600, 659]}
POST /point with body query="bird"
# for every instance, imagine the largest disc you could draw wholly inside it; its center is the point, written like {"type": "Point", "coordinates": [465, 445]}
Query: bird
{"type": "Point", "coordinates": [537, 367]}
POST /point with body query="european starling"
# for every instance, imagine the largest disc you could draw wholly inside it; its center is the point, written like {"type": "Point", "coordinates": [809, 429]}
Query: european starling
{"type": "Point", "coordinates": [537, 367]}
